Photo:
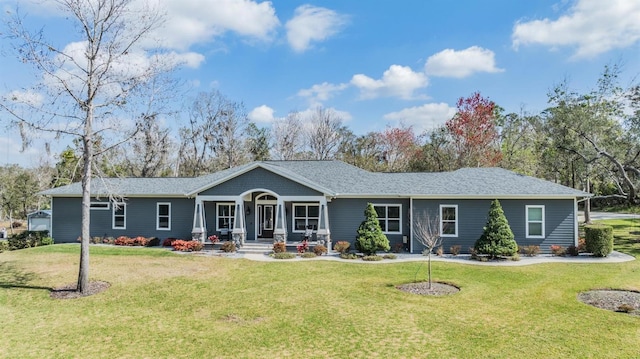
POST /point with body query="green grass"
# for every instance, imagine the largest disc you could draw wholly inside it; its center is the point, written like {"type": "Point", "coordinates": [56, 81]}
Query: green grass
{"type": "Point", "coordinates": [620, 208]}
{"type": "Point", "coordinates": [627, 235]}
{"type": "Point", "coordinates": [181, 306]}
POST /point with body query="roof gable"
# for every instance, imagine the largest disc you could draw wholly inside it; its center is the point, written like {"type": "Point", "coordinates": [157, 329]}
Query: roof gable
{"type": "Point", "coordinates": [210, 181]}
{"type": "Point", "coordinates": [261, 177]}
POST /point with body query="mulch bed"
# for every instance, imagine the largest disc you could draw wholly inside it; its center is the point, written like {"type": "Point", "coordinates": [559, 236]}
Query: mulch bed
{"type": "Point", "coordinates": [69, 291]}
{"type": "Point", "coordinates": [613, 299]}
{"type": "Point", "coordinates": [422, 288]}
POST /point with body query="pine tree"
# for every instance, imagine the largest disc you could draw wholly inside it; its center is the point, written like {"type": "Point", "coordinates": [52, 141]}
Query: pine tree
{"type": "Point", "coordinates": [497, 238]}
{"type": "Point", "coordinates": [370, 237]}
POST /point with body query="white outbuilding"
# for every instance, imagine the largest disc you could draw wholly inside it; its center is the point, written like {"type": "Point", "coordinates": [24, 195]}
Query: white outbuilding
{"type": "Point", "coordinates": [39, 220]}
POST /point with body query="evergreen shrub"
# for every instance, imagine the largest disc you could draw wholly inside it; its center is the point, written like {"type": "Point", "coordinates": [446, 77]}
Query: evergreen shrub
{"type": "Point", "coordinates": [598, 239]}
{"type": "Point", "coordinates": [370, 237]}
{"type": "Point", "coordinates": [497, 239]}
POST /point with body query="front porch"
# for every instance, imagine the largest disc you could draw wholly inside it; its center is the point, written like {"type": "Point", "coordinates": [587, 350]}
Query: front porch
{"type": "Point", "coordinates": [262, 217]}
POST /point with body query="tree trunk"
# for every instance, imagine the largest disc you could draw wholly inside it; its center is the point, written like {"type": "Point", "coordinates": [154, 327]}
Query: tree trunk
{"type": "Point", "coordinates": [429, 270]}
{"type": "Point", "coordinates": [83, 275]}
{"type": "Point", "coordinates": [587, 204]}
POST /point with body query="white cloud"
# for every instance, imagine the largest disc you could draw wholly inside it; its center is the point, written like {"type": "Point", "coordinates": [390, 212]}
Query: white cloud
{"type": "Point", "coordinates": [425, 117]}
{"type": "Point", "coordinates": [321, 92]}
{"type": "Point", "coordinates": [591, 26]}
{"type": "Point", "coordinates": [27, 97]}
{"type": "Point", "coordinates": [397, 81]}
{"type": "Point", "coordinates": [306, 115]}
{"type": "Point", "coordinates": [463, 63]}
{"type": "Point", "coordinates": [198, 21]}
{"type": "Point", "coordinates": [261, 114]}
{"type": "Point", "coordinates": [311, 23]}
{"type": "Point", "coordinates": [188, 59]}
{"type": "Point", "coordinates": [12, 151]}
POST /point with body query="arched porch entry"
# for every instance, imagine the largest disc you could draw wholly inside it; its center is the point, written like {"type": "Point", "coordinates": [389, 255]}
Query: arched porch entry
{"type": "Point", "coordinates": [267, 214]}
{"type": "Point", "coordinates": [264, 216]}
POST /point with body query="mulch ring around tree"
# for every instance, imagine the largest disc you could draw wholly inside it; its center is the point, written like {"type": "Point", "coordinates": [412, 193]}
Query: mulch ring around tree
{"type": "Point", "coordinates": [422, 288]}
{"type": "Point", "coordinates": [69, 291]}
{"type": "Point", "coordinates": [617, 300]}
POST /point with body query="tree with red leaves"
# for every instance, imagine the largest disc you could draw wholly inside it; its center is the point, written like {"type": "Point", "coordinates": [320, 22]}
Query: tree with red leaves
{"type": "Point", "coordinates": [398, 145]}
{"type": "Point", "coordinates": [474, 132]}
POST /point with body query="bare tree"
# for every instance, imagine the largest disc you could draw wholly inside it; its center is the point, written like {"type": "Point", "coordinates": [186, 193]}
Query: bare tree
{"type": "Point", "coordinates": [151, 147]}
{"type": "Point", "coordinates": [324, 133]}
{"type": "Point", "coordinates": [426, 230]}
{"type": "Point", "coordinates": [287, 137]}
{"type": "Point", "coordinates": [215, 137]}
{"type": "Point", "coordinates": [148, 155]}
{"type": "Point", "coordinates": [86, 88]}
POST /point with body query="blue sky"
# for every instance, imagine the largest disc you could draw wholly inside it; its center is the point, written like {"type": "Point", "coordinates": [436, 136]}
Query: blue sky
{"type": "Point", "coordinates": [376, 63]}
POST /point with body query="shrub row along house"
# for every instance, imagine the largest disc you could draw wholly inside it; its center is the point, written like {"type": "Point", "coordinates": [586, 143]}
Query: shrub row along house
{"type": "Point", "coordinates": [280, 200]}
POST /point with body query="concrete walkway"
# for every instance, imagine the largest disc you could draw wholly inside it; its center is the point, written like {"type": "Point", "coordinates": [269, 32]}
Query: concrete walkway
{"type": "Point", "coordinates": [615, 257]}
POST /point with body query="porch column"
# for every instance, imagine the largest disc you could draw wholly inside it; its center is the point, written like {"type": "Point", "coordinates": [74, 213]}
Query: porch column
{"type": "Point", "coordinates": [280, 229]}
{"type": "Point", "coordinates": [239, 232]}
{"type": "Point", "coordinates": [324, 233]}
{"type": "Point", "coordinates": [199, 231]}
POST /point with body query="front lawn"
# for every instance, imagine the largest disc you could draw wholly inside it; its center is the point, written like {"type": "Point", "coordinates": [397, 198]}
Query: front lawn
{"type": "Point", "coordinates": [627, 235]}
{"type": "Point", "coordinates": [182, 306]}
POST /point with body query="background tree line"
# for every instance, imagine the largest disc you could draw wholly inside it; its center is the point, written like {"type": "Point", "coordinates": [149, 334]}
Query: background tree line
{"type": "Point", "coordinates": [588, 141]}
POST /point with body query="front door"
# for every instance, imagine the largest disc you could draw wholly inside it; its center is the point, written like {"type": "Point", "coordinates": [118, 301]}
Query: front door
{"type": "Point", "coordinates": [265, 221]}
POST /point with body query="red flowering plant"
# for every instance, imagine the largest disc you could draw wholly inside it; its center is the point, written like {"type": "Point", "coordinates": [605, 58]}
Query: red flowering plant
{"type": "Point", "coordinates": [303, 247]}
{"type": "Point", "coordinates": [123, 241]}
{"type": "Point", "coordinates": [187, 246]}
{"type": "Point", "coordinates": [140, 241]}
{"type": "Point", "coordinates": [557, 250]}
{"type": "Point", "coordinates": [213, 238]}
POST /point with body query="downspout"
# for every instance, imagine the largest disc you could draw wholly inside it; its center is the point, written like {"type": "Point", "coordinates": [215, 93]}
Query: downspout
{"type": "Point", "coordinates": [575, 221]}
{"type": "Point", "coordinates": [410, 224]}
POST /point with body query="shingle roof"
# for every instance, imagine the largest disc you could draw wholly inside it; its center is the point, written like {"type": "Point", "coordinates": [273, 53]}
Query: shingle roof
{"type": "Point", "coordinates": [337, 178]}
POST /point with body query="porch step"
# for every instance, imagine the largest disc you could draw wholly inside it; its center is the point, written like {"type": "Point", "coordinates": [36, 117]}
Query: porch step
{"type": "Point", "coordinates": [256, 247]}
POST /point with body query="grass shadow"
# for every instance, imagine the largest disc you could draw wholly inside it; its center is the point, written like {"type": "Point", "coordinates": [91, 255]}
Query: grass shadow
{"type": "Point", "coordinates": [13, 277]}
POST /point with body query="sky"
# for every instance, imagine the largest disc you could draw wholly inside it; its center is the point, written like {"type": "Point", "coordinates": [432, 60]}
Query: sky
{"type": "Point", "coordinates": [376, 63]}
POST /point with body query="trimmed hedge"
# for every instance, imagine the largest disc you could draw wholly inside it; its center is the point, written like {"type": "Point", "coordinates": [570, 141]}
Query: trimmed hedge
{"type": "Point", "coordinates": [599, 239]}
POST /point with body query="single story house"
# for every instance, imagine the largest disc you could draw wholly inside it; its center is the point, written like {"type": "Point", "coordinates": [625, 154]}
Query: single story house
{"type": "Point", "coordinates": [279, 200]}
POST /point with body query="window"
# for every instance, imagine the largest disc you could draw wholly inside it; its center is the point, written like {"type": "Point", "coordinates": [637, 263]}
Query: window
{"type": "Point", "coordinates": [99, 206]}
{"type": "Point", "coordinates": [305, 215]}
{"type": "Point", "coordinates": [448, 220]}
{"type": "Point", "coordinates": [389, 217]}
{"type": "Point", "coordinates": [226, 214]}
{"type": "Point", "coordinates": [119, 215]}
{"type": "Point", "coordinates": [163, 217]}
{"type": "Point", "coordinates": [535, 221]}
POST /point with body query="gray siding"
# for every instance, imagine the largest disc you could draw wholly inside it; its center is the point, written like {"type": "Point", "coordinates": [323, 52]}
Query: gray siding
{"type": "Point", "coordinates": [211, 218]}
{"type": "Point", "coordinates": [140, 219]}
{"type": "Point", "coordinates": [260, 178]}
{"type": "Point", "coordinates": [346, 214]}
{"type": "Point", "coordinates": [472, 217]}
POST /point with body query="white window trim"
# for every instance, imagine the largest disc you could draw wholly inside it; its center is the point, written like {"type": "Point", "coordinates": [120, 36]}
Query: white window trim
{"type": "Point", "coordinates": [293, 216]}
{"type": "Point", "coordinates": [158, 228]}
{"type": "Point", "coordinates": [103, 206]}
{"type": "Point", "coordinates": [117, 205]}
{"type": "Point", "coordinates": [387, 205]}
{"type": "Point", "coordinates": [527, 221]}
{"type": "Point", "coordinates": [232, 206]}
{"type": "Point", "coordinates": [455, 207]}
